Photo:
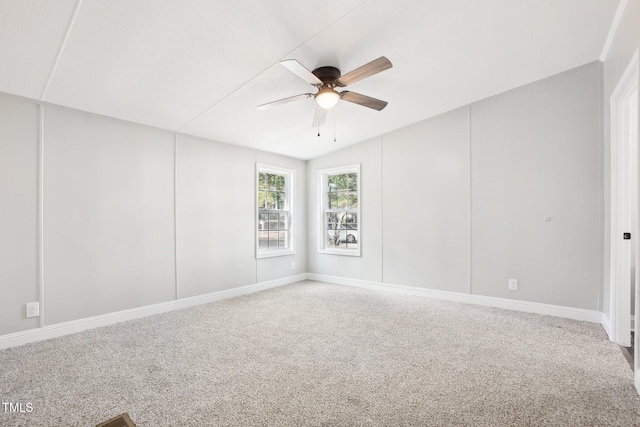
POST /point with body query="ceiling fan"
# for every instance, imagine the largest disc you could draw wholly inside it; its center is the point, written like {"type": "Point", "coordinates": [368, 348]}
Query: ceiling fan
{"type": "Point", "coordinates": [326, 79]}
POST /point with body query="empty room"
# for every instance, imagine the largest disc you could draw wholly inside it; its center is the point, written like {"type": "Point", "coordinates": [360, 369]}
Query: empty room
{"type": "Point", "coordinates": [292, 213]}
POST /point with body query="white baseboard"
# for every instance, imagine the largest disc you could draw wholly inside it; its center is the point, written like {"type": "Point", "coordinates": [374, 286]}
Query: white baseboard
{"type": "Point", "coordinates": [60, 329]}
{"type": "Point", "coordinates": [509, 304]}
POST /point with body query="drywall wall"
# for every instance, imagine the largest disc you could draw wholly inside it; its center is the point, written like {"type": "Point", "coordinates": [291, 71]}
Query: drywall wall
{"type": "Point", "coordinates": [19, 176]}
{"type": "Point", "coordinates": [215, 217]}
{"type": "Point", "coordinates": [108, 216]}
{"type": "Point", "coordinates": [132, 215]}
{"type": "Point", "coordinates": [369, 265]}
{"type": "Point", "coordinates": [426, 203]}
{"type": "Point", "coordinates": [624, 44]}
{"type": "Point", "coordinates": [214, 211]}
{"type": "Point", "coordinates": [472, 187]}
{"type": "Point", "coordinates": [535, 154]}
{"type": "Point", "coordinates": [113, 218]}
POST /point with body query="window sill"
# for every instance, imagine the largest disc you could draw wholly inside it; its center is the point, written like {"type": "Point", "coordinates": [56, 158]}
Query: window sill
{"type": "Point", "coordinates": [273, 254]}
{"type": "Point", "coordinates": [347, 252]}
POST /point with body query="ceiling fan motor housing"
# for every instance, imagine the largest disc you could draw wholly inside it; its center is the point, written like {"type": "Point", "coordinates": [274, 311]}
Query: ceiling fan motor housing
{"type": "Point", "coordinates": [328, 75]}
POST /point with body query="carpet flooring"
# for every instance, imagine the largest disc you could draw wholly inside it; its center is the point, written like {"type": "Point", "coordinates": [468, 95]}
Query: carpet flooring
{"type": "Point", "coordinates": [317, 354]}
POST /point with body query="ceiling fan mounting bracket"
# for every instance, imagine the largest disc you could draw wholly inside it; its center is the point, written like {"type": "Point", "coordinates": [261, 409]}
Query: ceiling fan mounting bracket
{"type": "Point", "coordinates": [328, 75]}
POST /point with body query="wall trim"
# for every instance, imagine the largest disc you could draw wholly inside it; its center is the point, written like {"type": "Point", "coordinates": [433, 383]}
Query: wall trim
{"type": "Point", "coordinates": [606, 324]}
{"type": "Point", "coordinates": [66, 328]}
{"type": "Point", "coordinates": [40, 241]}
{"type": "Point", "coordinates": [613, 29]}
{"type": "Point", "coordinates": [622, 149]}
{"type": "Point", "coordinates": [74, 326]}
{"type": "Point", "coordinates": [508, 304]}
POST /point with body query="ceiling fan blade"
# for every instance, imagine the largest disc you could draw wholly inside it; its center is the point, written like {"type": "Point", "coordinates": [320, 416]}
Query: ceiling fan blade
{"type": "Point", "coordinates": [300, 70]}
{"type": "Point", "coordinates": [373, 67]}
{"type": "Point", "coordinates": [284, 101]}
{"type": "Point", "coordinates": [318, 119]}
{"type": "Point", "coordinates": [363, 100]}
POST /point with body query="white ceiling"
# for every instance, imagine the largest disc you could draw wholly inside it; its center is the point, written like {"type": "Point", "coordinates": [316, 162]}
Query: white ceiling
{"type": "Point", "coordinates": [201, 67]}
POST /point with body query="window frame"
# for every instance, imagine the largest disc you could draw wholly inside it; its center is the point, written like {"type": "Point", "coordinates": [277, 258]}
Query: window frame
{"type": "Point", "coordinates": [323, 175]}
{"type": "Point", "coordinates": [289, 175]}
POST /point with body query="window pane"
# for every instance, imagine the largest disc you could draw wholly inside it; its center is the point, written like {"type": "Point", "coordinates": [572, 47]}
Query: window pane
{"type": "Point", "coordinates": [332, 218]}
{"type": "Point", "coordinates": [263, 219]}
{"type": "Point", "coordinates": [262, 181]}
{"type": "Point", "coordinates": [280, 197]}
{"type": "Point", "coordinates": [352, 199]}
{"type": "Point", "coordinates": [273, 221]}
{"type": "Point", "coordinates": [338, 182]}
{"type": "Point", "coordinates": [271, 182]}
{"type": "Point", "coordinates": [333, 200]}
{"type": "Point", "coordinates": [268, 202]}
{"type": "Point", "coordinates": [282, 221]}
{"type": "Point", "coordinates": [351, 245]}
{"type": "Point", "coordinates": [342, 229]}
{"type": "Point", "coordinates": [351, 235]}
{"type": "Point", "coordinates": [346, 181]}
{"type": "Point", "coordinates": [282, 239]}
{"type": "Point", "coordinates": [353, 181]}
{"type": "Point", "coordinates": [343, 200]}
{"type": "Point", "coordinates": [333, 238]}
{"type": "Point", "coordinates": [273, 240]}
{"type": "Point", "coordinates": [263, 239]}
{"type": "Point", "coordinates": [334, 225]}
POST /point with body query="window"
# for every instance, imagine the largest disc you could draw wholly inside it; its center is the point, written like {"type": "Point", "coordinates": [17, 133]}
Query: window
{"type": "Point", "coordinates": [274, 217]}
{"type": "Point", "coordinates": [340, 228]}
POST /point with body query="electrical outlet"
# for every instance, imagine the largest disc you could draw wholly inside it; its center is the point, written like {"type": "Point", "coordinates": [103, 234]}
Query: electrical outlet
{"type": "Point", "coordinates": [33, 309]}
{"type": "Point", "coordinates": [293, 265]}
{"type": "Point", "coordinates": [513, 285]}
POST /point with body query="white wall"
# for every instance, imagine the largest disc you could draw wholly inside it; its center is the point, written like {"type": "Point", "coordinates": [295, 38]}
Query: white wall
{"type": "Point", "coordinates": [108, 216]}
{"type": "Point", "coordinates": [369, 266]}
{"type": "Point", "coordinates": [425, 198]}
{"type": "Point", "coordinates": [119, 198]}
{"type": "Point", "coordinates": [535, 154]}
{"type": "Point", "coordinates": [19, 176]}
{"type": "Point", "coordinates": [215, 216]}
{"type": "Point", "coordinates": [462, 197]}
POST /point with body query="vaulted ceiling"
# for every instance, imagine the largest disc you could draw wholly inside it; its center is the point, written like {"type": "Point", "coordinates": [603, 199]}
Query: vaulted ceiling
{"type": "Point", "coordinates": [201, 67]}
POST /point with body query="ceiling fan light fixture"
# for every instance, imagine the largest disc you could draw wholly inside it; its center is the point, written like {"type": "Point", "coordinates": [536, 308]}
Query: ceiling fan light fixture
{"type": "Point", "coordinates": [327, 97]}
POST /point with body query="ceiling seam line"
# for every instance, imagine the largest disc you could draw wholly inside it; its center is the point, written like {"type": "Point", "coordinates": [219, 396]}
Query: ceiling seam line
{"type": "Point", "coordinates": [61, 49]}
{"type": "Point", "coordinates": [617, 17]}
{"type": "Point", "coordinates": [263, 71]}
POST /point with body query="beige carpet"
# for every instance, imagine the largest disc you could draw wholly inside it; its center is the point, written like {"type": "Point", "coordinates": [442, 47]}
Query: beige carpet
{"type": "Point", "coordinates": [319, 354]}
